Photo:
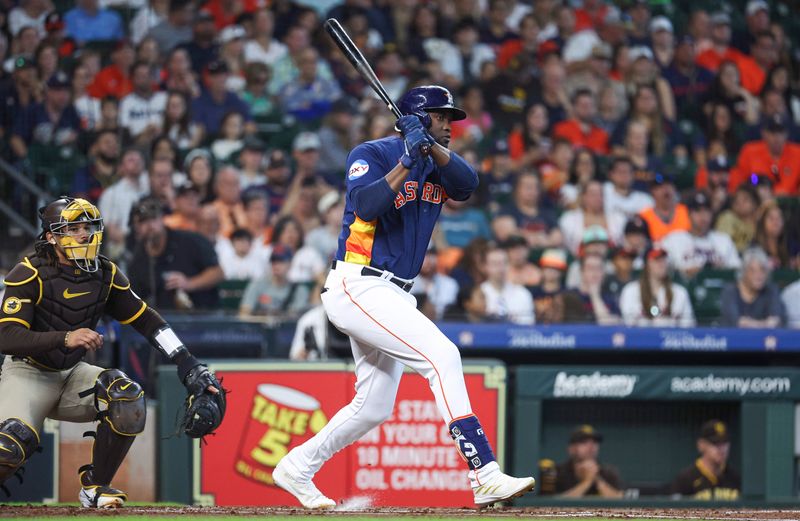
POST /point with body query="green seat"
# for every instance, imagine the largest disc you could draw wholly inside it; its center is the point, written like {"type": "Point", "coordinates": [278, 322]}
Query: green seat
{"type": "Point", "coordinates": [705, 290]}
{"type": "Point", "coordinates": [785, 276]}
{"type": "Point", "coordinates": [231, 292]}
{"type": "Point", "coordinates": [53, 167]}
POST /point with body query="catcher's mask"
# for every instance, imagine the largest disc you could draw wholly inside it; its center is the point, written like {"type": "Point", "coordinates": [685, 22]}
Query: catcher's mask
{"type": "Point", "coordinates": [70, 219]}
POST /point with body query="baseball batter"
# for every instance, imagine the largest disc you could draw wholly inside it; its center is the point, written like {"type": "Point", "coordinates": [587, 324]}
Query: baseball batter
{"type": "Point", "coordinates": [53, 301]}
{"type": "Point", "coordinates": [394, 195]}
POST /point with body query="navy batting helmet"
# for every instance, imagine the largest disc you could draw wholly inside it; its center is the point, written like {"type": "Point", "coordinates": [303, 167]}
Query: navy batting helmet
{"type": "Point", "coordinates": [429, 98]}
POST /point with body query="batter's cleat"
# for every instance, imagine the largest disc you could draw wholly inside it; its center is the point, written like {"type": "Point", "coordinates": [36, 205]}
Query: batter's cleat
{"type": "Point", "coordinates": [490, 485]}
{"type": "Point", "coordinates": [97, 496]}
{"type": "Point", "coordinates": [305, 491]}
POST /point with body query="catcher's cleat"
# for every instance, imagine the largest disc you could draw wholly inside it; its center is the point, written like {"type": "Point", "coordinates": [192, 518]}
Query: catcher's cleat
{"type": "Point", "coordinates": [97, 496]}
{"type": "Point", "coordinates": [305, 492]}
{"type": "Point", "coordinates": [489, 485]}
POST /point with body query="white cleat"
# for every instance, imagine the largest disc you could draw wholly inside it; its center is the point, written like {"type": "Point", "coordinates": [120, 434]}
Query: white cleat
{"type": "Point", "coordinates": [102, 497]}
{"type": "Point", "coordinates": [491, 485]}
{"type": "Point", "coordinates": [305, 491]}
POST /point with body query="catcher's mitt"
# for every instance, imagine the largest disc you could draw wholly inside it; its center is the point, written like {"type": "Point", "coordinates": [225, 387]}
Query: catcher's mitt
{"type": "Point", "coordinates": [203, 409]}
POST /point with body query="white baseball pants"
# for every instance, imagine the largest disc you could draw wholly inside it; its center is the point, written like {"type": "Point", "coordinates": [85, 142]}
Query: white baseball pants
{"type": "Point", "coordinates": [386, 333]}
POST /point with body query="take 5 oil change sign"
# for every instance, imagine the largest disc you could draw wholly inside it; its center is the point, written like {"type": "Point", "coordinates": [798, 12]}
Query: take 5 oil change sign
{"type": "Point", "coordinates": [409, 460]}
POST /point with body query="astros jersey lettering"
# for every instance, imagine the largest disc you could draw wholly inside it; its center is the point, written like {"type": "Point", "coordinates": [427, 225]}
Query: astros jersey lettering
{"type": "Point", "coordinates": [397, 240]}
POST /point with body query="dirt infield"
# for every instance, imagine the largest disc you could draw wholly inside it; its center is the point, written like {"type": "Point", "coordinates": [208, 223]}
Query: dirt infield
{"type": "Point", "coordinates": [40, 511]}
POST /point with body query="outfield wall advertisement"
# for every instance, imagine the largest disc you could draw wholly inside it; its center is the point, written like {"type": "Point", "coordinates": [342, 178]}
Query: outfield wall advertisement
{"type": "Point", "coordinates": [409, 460]}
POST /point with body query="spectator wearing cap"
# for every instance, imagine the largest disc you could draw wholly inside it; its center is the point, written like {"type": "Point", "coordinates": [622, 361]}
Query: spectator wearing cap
{"type": "Point", "coordinates": [263, 47]}
{"type": "Point", "coordinates": [662, 36]}
{"type": "Point", "coordinates": [773, 156]}
{"type": "Point", "coordinates": [589, 302]}
{"type": "Point", "coordinates": [114, 80]}
{"type": "Point", "coordinates": [142, 111]}
{"type": "Point", "coordinates": [636, 240]}
{"type": "Point", "coordinates": [654, 300]}
{"type": "Point", "coordinates": [582, 474]}
{"type": "Point", "coordinates": [739, 220]}
{"type": "Point", "coordinates": [536, 221]}
{"type": "Point", "coordinates": [498, 178]}
{"type": "Point", "coordinates": [251, 163]}
{"type": "Point", "coordinates": [752, 77]}
{"type": "Point", "coordinates": [710, 477]}
{"type": "Point", "coordinates": [239, 258]}
{"type": "Point", "coordinates": [689, 82]}
{"type": "Point", "coordinates": [618, 194]}
{"type": "Point", "coordinates": [434, 291]}
{"type": "Point", "coordinates": [594, 241]}
{"type": "Point", "coordinates": [337, 137]}
{"type": "Point", "coordinates": [176, 28]}
{"type": "Point", "coordinates": [622, 259]}
{"type": "Point", "coordinates": [29, 13]}
{"type": "Point", "coordinates": [228, 201]}
{"type": "Point", "coordinates": [202, 48]}
{"type": "Point", "coordinates": [325, 237]}
{"type": "Point", "coordinates": [757, 21]}
{"type": "Point", "coordinates": [520, 269]}
{"type": "Point", "coordinates": [581, 130]}
{"type": "Point", "coordinates": [172, 269]}
{"type": "Point", "coordinates": [278, 174]}
{"type": "Point", "coordinates": [187, 209]}
{"type": "Point", "coordinates": [308, 96]}
{"type": "Point", "coordinates": [667, 214]}
{"type": "Point", "coordinates": [547, 302]}
{"type": "Point", "coordinates": [715, 179]}
{"type": "Point", "coordinates": [215, 101]}
{"type": "Point", "coordinates": [231, 51]}
{"type": "Point", "coordinates": [505, 300]}
{"type": "Point", "coordinates": [87, 22]}
{"type": "Point", "coordinates": [590, 212]}
{"type": "Point", "coordinates": [700, 247]}
{"type": "Point", "coordinates": [53, 122]}
{"type": "Point", "coordinates": [117, 200]}
{"type": "Point", "coordinates": [21, 92]}
{"type": "Point", "coordinates": [753, 301]}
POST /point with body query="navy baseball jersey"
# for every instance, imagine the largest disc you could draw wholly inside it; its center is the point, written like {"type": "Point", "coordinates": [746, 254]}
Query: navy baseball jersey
{"type": "Point", "coordinates": [395, 241]}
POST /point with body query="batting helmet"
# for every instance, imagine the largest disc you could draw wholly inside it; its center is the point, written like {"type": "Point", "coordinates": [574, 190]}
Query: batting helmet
{"type": "Point", "coordinates": [429, 98]}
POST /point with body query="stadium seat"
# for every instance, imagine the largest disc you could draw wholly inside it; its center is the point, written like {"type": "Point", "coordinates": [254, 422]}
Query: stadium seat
{"type": "Point", "coordinates": [54, 167]}
{"type": "Point", "coordinates": [231, 292]}
{"type": "Point", "coordinates": [705, 290]}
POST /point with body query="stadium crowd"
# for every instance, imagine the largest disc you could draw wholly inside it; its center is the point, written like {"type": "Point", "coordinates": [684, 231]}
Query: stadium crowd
{"type": "Point", "coordinates": [639, 160]}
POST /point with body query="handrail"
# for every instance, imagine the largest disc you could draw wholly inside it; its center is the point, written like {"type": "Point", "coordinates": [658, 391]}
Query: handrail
{"type": "Point", "coordinates": [34, 189]}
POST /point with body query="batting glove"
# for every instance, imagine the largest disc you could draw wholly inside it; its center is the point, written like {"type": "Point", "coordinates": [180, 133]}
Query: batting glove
{"type": "Point", "coordinates": [413, 143]}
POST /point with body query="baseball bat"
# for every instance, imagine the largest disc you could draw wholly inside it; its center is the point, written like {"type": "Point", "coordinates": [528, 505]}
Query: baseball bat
{"type": "Point", "coordinates": [354, 56]}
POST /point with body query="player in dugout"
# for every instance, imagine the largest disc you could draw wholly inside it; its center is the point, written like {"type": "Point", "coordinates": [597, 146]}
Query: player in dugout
{"type": "Point", "coordinates": [710, 477]}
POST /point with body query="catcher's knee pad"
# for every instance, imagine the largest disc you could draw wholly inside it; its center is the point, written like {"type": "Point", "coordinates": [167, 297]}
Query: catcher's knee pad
{"type": "Point", "coordinates": [18, 441]}
{"type": "Point", "coordinates": [124, 399]}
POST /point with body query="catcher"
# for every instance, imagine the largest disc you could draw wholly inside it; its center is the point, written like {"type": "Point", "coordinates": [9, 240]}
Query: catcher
{"type": "Point", "coordinates": [53, 301]}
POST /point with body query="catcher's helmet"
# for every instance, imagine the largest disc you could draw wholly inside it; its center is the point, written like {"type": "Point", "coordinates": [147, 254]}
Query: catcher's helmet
{"type": "Point", "coordinates": [429, 98]}
{"type": "Point", "coordinates": [60, 218]}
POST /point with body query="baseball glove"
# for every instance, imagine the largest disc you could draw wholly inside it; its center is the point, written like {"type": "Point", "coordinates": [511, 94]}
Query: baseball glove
{"type": "Point", "coordinates": [203, 409]}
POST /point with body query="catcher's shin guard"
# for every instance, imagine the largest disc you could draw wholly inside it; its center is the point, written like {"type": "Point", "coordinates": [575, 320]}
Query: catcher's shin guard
{"type": "Point", "coordinates": [18, 441]}
{"type": "Point", "coordinates": [120, 421]}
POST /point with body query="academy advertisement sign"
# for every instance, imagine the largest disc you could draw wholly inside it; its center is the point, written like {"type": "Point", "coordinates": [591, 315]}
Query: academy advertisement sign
{"type": "Point", "coordinates": [667, 383]}
{"type": "Point", "coordinates": [409, 460]}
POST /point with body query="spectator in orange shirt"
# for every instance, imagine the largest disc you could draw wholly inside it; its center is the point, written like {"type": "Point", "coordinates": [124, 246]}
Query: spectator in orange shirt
{"type": "Point", "coordinates": [773, 157]}
{"type": "Point", "coordinates": [514, 53]}
{"type": "Point", "coordinates": [581, 130]}
{"type": "Point", "coordinates": [115, 80]}
{"type": "Point", "coordinates": [187, 209]}
{"type": "Point", "coordinates": [668, 214]}
{"type": "Point", "coordinates": [721, 49]}
{"type": "Point", "coordinates": [228, 202]}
